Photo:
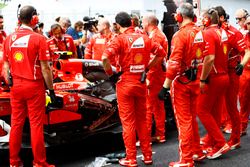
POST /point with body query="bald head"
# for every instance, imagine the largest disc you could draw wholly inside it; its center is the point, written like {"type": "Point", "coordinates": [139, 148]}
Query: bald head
{"type": "Point", "coordinates": [240, 13]}
{"type": "Point", "coordinates": [240, 16]}
{"type": "Point", "coordinates": [65, 22]}
{"type": "Point", "coordinates": [103, 25]}
{"type": "Point", "coordinates": [149, 21]}
{"type": "Point", "coordinates": [104, 21]}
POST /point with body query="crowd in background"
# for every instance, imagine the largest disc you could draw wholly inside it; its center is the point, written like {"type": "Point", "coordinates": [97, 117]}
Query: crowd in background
{"type": "Point", "coordinates": [206, 60]}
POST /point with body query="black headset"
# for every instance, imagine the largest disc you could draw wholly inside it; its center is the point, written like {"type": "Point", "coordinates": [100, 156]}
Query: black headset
{"type": "Point", "coordinates": [246, 13]}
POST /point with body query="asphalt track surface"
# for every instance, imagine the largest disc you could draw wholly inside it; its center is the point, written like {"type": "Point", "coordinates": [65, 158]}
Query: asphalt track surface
{"type": "Point", "coordinates": [84, 153]}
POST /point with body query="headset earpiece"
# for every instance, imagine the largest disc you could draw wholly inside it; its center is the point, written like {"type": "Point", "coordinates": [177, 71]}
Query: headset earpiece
{"type": "Point", "coordinates": [206, 21]}
{"type": "Point", "coordinates": [194, 18]}
{"type": "Point", "coordinates": [178, 17]}
{"type": "Point", "coordinates": [34, 20]}
{"type": "Point", "coordinates": [246, 13]}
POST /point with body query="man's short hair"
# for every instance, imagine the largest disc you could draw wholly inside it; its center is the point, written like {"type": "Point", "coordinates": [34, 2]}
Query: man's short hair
{"type": "Point", "coordinates": [26, 14]}
{"type": "Point", "coordinates": [212, 13]}
{"type": "Point", "coordinates": [186, 9]}
{"type": "Point", "coordinates": [123, 19]}
{"type": "Point", "coordinates": [55, 26]}
{"type": "Point", "coordinates": [78, 24]}
{"type": "Point", "coordinates": [65, 22]}
{"type": "Point", "coordinates": [1, 16]}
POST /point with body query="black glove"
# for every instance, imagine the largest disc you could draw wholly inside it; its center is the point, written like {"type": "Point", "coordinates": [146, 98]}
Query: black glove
{"type": "Point", "coordinates": [239, 69]}
{"type": "Point", "coordinates": [115, 77]}
{"type": "Point", "coordinates": [52, 96]}
{"type": "Point", "coordinates": [10, 80]}
{"type": "Point", "coordinates": [164, 94]}
{"type": "Point", "coordinates": [144, 75]}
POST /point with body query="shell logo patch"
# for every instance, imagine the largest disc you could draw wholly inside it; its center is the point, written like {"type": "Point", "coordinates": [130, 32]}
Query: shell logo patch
{"type": "Point", "coordinates": [138, 58]}
{"type": "Point", "coordinates": [198, 53]}
{"type": "Point", "coordinates": [225, 49]}
{"type": "Point", "coordinates": [18, 56]}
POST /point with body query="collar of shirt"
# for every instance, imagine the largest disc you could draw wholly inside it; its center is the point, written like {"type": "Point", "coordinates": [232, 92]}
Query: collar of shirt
{"type": "Point", "coordinates": [188, 24]}
{"type": "Point", "coordinates": [152, 32]}
{"type": "Point", "coordinates": [212, 26]}
{"type": "Point", "coordinates": [225, 25]}
{"type": "Point", "coordinates": [58, 40]}
{"type": "Point", "coordinates": [129, 30]}
{"type": "Point", "coordinates": [26, 27]}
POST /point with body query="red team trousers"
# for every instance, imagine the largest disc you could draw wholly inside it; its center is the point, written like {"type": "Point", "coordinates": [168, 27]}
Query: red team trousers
{"type": "Point", "coordinates": [231, 104]}
{"type": "Point", "coordinates": [27, 99]}
{"type": "Point", "coordinates": [155, 106]}
{"type": "Point", "coordinates": [184, 98]}
{"type": "Point", "coordinates": [244, 96]}
{"type": "Point", "coordinates": [131, 96]}
{"type": "Point", "coordinates": [209, 107]}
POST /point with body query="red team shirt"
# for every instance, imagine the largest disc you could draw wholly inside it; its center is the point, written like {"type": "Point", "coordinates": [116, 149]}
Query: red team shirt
{"type": "Point", "coordinates": [97, 45]}
{"type": "Point", "coordinates": [182, 57]}
{"type": "Point", "coordinates": [247, 42]}
{"type": "Point", "coordinates": [65, 44]}
{"type": "Point", "coordinates": [157, 36]}
{"type": "Point", "coordinates": [237, 45]}
{"type": "Point", "coordinates": [211, 48]}
{"type": "Point", "coordinates": [20, 49]}
{"type": "Point", "coordinates": [135, 52]}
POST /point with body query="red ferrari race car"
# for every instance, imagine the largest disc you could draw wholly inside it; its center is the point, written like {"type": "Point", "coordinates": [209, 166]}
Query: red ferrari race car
{"type": "Point", "coordinates": [86, 103]}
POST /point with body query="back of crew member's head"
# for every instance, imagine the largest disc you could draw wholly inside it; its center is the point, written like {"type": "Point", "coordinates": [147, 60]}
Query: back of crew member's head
{"type": "Point", "coordinates": [26, 14]}
{"type": "Point", "coordinates": [186, 10]}
{"type": "Point", "coordinates": [151, 19]}
{"type": "Point", "coordinates": [223, 16]}
{"type": "Point", "coordinates": [135, 20]}
{"type": "Point", "coordinates": [123, 19]}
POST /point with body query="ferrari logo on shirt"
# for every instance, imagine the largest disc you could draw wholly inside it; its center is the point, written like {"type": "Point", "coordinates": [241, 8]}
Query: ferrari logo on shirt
{"type": "Point", "coordinates": [138, 58]}
{"type": "Point", "coordinates": [225, 49]}
{"type": "Point", "coordinates": [18, 56]}
{"type": "Point", "coordinates": [198, 53]}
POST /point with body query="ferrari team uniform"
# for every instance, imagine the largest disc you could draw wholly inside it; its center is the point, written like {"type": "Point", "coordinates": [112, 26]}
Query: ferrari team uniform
{"type": "Point", "coordinates": [155, 78]}
{"type": "Point", "coordinates": [236, 47]}
{"type": "Point", "coordinates": [24, 50]}
{"type": "Point", "coordinates": [3, 36]}
{"type": "Point", "coordinates": [64, 44]}
{"type": "Point", "coordinates": [187, 45]}
{"type": "Point", "coordinates": [134, 54]}
{"type": "Point", "coordinates": [244, 92]}
{"type": "Point", "coordinates": [97, 45]}
{"type": "Point", "coordinates": [209, 103]}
